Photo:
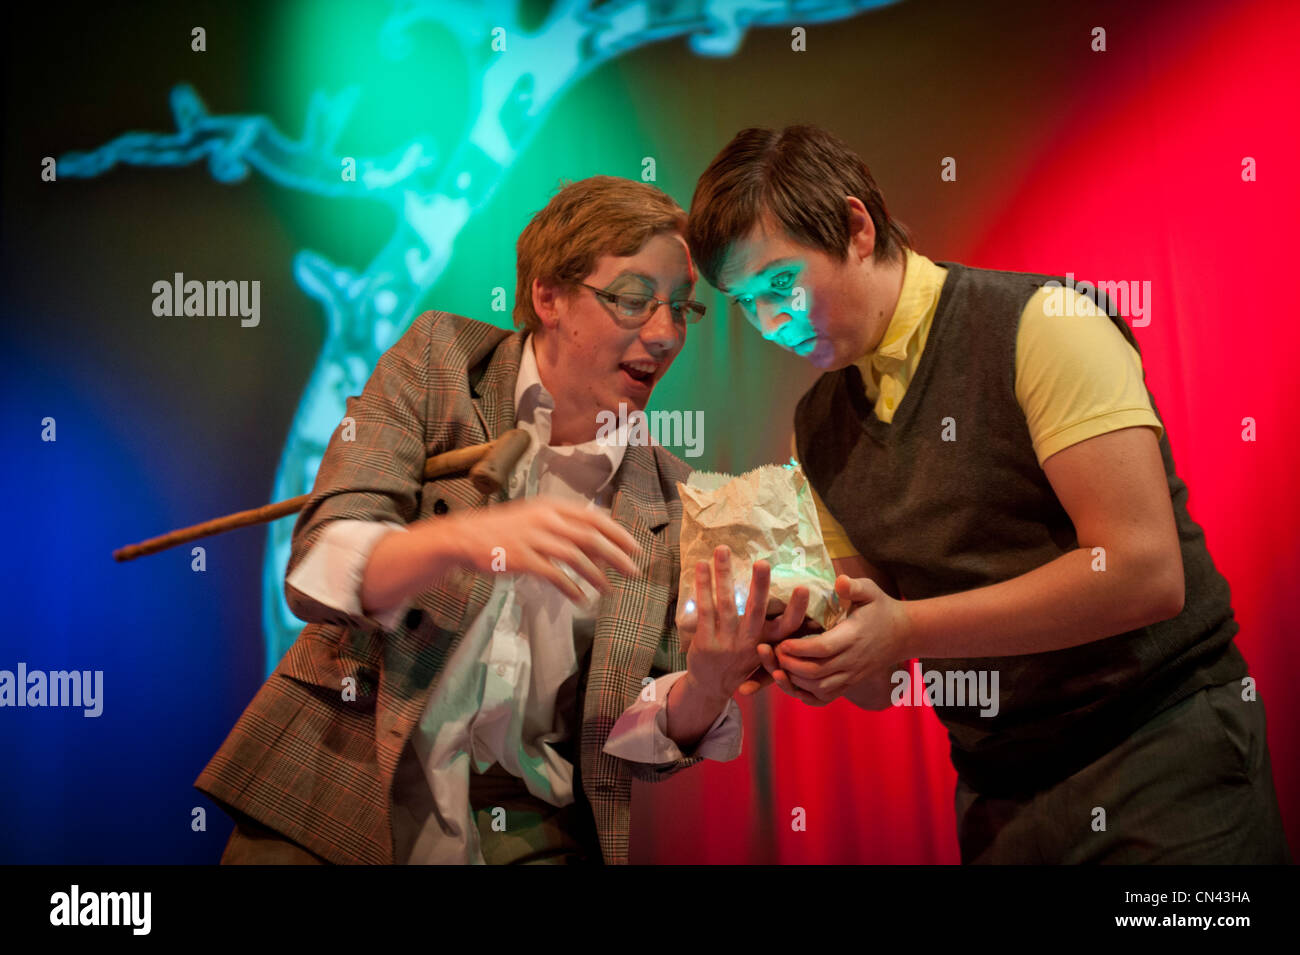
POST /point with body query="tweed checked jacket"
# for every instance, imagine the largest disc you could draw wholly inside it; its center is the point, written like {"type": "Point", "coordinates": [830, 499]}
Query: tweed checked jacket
{"type": "Point", "coordinates": [318, 768]}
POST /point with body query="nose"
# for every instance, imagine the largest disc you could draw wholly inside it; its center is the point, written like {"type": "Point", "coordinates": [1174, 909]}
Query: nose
{"type": "Point", "coordinates": [660, 333]}
{"type": "Point", "coordinates": [770, 319]}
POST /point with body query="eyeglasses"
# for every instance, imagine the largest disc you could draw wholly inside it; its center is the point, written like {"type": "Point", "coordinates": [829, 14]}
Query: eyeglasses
{"type": "Point", "coordinates": [632, 311]}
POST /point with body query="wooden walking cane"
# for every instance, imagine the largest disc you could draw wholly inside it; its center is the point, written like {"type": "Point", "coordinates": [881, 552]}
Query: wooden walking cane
{"type": "Point", "coordinates": [489, 465]}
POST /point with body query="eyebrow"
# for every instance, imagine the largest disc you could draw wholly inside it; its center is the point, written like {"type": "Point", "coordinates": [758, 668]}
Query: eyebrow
{"type": "Point", "coordinates": [629, 273]}
{"type": "Point", "coordinates": [764, 269]}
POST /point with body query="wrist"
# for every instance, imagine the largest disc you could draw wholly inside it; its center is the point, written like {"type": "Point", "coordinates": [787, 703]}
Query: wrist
{"type": "Point", "coordinates": [690, 711]}
{"type": "Point", "coordinates": [702, 696]}
{"type": "Point", "coordinates": [442, 547]}
{"type": "Point", "coordinates": [908, 642]}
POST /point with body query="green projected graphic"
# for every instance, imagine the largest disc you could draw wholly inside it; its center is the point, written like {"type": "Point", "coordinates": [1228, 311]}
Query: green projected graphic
{"type": "Point", "coordinates": [516, 72]}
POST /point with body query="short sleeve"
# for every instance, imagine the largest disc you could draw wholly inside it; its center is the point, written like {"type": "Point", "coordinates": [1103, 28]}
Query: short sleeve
{"type": "Point", "coordinates": [1076, 374]}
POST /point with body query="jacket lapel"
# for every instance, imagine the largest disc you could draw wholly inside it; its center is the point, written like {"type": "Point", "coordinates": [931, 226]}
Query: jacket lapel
{"type": "Point", "coordinates": [629, 628]}
{"type": "Point", "coordinates": [493, 393]}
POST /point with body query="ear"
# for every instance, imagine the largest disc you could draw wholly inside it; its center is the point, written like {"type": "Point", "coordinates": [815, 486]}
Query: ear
{"type": "Point", "coordinates": [862, 231]}
{"type": "Point", "coordinates": [547, 301]}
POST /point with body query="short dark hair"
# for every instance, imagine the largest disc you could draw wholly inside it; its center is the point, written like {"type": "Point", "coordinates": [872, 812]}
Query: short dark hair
{"type": "Point", "coordinates": [800, 176]}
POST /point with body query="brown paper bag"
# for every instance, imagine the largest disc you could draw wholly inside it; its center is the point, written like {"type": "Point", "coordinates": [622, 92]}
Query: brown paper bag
{"type": "Point", "coordinates": [764, 514]}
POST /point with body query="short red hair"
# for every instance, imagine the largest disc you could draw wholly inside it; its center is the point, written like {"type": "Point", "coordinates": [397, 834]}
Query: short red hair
{"type": "Point", "coordinates": [602, 215]}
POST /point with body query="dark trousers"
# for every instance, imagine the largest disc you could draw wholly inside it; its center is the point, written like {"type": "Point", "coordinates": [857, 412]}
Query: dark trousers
{"type": "Point", "coordinates": [1193, 785]}
{"type": "Point", "coordinates": [517, 828]}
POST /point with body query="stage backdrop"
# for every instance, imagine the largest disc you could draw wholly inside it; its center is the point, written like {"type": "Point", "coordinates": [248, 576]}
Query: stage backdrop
{"type": "Point", "coordinates": [363, 162]}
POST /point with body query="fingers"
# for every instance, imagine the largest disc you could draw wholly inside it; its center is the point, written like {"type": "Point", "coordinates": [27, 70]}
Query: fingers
{"type": "Point", "coordinates": [599, 535]}
{"type": "Point", "coordinates": [717, 602]}
{"type": "Point", "coordinates": [822, 691]}
{"type": "Point", "coordinates": [580, 562]}
{"type": "Point", "coordinates": [795, 666]}
{"type": "Point", "coordinates": [599, 520]}
{"type": "Point", "coordinates": [539, 565]}
{"type": "Point", "coordinates": [824, 679]}
{"type": "Point", "coordinates": [857, 590]}
{"type": "Point", "coordinates": [783, 680]}
{"type": "Point", "coordinates": [724, 594]}
{"type": "Point", "coordinates": [826, 689]}
{"type": "Point", "coordinates": [757, 680]}
{"type": "Point", "coordinates": [688, 617]}
{"type": "Point", "coordinates": [703, 601]}
{"type": "Point", "coordinates": [792, 660]}
{"type": "Point", "coordinates": [774, 631]}
{"type": "Point", "coordinates": [816, 646]}
{"type": "Point", "coordinates": [784, 684]}
{"type": "Point", "coordinates": [759, 581]}
{"type": "Point", "coordinates": [760, 578]}
{"type": "Point", "coordinates": [539, 532]}
{"type": "Point", "coordinates": [598, 546]}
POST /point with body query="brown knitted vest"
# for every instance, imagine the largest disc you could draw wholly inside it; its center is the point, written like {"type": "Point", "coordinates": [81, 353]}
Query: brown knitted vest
{"type": "Point", "coordinates": [945, 516]}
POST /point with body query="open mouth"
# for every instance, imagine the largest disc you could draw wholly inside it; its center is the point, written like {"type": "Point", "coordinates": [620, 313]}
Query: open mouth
{"type": "Point", "coordinates": [641, 372]}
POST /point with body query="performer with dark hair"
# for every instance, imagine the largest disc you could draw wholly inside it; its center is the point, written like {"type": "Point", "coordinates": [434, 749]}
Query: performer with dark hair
{"type": "Point", "coordinates": [983, 445]}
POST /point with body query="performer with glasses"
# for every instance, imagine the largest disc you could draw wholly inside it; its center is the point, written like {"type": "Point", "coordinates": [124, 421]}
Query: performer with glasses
{"type": "Point", "coordinates": [479, 681]}
{"type": "Point", "coordinates": [632, 311]}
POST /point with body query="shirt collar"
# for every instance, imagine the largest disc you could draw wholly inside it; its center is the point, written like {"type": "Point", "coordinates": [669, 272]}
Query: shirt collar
{"type": "Point", "coordinates": [922, 284]}
{"type": "Point", "coordinates": [593, 463]}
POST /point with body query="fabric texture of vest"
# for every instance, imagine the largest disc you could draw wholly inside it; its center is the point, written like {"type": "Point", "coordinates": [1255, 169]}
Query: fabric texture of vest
{"type": "Point", "coordinates": [946, 516]}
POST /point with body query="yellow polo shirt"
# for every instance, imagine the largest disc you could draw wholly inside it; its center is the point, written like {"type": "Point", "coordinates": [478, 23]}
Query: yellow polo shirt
{"type": "Point", "coordinates": [1076, 375]}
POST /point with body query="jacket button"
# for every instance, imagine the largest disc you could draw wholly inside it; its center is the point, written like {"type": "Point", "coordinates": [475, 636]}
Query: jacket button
{"type": "Point", "coordinates": [412, 618]}
{"type": "Point", "coordinates": [440, 506]}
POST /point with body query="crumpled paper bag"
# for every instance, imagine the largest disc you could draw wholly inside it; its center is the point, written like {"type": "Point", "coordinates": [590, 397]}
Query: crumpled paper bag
{"type": "Point", "coordinates": [764, 514]}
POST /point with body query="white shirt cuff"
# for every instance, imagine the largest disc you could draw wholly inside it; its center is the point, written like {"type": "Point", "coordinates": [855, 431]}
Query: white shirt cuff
{"type": "Point", "coordinates": [333, 569]}
{"type": "Point", "coordinates": [641, 733]}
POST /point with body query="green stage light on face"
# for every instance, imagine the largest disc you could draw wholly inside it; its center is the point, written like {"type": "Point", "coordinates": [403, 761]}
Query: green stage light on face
{"type": "Point", "coordinates": [439, 132]}
{"type": "Point", "coordinates": [778, 307]}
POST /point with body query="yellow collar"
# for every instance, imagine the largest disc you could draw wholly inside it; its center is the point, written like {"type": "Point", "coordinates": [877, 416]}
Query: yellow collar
{"type": "Point", "coordinates": [922, 283]}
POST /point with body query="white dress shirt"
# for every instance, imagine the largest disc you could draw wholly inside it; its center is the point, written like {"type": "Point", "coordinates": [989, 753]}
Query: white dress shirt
{"type": "Point", "coordinates": [495, 701]}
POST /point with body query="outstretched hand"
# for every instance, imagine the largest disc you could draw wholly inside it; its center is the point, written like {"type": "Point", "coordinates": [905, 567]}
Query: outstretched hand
{"type": "Point", "coordinates": [722, 643]}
